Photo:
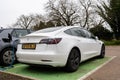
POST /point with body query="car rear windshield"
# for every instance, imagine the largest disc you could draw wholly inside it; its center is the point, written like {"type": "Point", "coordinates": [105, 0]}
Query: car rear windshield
{"type": "Point", "coordinates": [48, 30]}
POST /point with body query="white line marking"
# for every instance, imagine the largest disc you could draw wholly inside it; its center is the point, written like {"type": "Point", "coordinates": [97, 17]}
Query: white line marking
{"type": "Point", "coordinates": [19, 66]}
{"type": "Point", "coordinates": [91, 72]}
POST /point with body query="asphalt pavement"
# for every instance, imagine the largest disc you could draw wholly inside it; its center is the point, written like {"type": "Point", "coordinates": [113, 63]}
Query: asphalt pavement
{"type": "Point", "coordinates": [110, 71]}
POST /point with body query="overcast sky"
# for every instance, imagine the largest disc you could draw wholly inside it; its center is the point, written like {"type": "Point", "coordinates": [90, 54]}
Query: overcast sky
{"type": "Point", "coordinates": [10, 10]}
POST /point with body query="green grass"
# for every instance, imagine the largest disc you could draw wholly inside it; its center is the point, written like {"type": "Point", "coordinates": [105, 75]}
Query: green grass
{"type": "Point", "coordinates": [49, 73]}
{"type": "Point", "coordinates": [112, 42]}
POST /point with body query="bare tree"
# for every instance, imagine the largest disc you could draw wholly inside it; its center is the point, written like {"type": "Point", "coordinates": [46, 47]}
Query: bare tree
{"type": "Point", "coordinates": [42, 21]}
{"type": "Point", "coordinates": [85, 12]}
{"type": "Point", "coordinates": [63, 12]}
{"type": "Point", "coordinates": [24, 21]}
{"type": "Point", "coordinates": [38, 21]}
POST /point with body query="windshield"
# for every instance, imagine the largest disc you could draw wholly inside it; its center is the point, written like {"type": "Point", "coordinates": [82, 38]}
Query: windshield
{"type": "Point", "coordinates": [4, 32]}
{"type": "Point", "coordinates": [48, 30]}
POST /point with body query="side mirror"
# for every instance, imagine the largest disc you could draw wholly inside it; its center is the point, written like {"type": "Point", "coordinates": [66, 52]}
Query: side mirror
{"type": "Point", "coordinates": [96, 38]}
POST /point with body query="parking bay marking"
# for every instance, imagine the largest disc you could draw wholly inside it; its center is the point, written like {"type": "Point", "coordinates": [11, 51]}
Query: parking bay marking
{"type": "Point", "coordinates": [91, 72]}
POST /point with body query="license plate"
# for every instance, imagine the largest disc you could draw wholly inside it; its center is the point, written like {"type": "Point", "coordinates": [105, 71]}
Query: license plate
{"type": "Point", "coordinates": [28, 46]}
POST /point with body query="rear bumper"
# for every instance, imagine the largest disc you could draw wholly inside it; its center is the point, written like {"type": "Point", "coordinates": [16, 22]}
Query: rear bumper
{"type": "Point", "coordinates": [53, 55]}
{"type": "Point", "coordinates": [42, 58]}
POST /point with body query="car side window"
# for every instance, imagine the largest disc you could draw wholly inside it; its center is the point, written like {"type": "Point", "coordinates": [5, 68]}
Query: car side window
{"type": "Point", "coordinates": [89, 35]}
{"type": "Point", "coordinates": [81, 32]}
{"type": "Point", "coordinates": [21, 33]}
{"type": "Point", "coordinates": [14, 33]}
{"type": "Point", "coordinates": [93, 36]}
{"type": "Point", "coordinates": [68, 32]}
{"type": "Point", "coordinates": [77, 32]}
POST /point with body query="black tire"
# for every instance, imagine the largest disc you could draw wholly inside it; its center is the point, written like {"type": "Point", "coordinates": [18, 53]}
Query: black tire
{"type": "Point", "coordinates": [7, 57]}
{"type": "Point", "coordinates": [102, 54]}
{"type": "Point", "coordinates": [73, 61]}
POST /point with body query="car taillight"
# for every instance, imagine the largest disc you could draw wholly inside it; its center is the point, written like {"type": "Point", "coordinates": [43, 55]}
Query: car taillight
{"type": "Point", "coordinates": [50, 41]}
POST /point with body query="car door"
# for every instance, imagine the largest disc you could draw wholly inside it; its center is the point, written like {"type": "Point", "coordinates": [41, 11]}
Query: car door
{"type": "Point", "coordinates": [93, 45]}
{"type": "Point", "coordinates": [82, 42]}
{"type": "Point", "coordinates": [88, 45]}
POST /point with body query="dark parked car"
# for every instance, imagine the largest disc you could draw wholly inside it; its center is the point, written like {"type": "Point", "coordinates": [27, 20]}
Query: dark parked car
{"type": "Point", "coordinates": [9, 38]}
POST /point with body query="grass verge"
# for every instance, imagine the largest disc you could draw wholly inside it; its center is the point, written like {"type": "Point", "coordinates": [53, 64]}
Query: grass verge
{"type": "Point", "coordinates": [49, 73]}
{"type": "Point", "coordinates": [112, 42]}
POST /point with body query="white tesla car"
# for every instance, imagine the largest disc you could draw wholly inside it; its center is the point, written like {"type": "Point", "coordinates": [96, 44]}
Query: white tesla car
{"type": "Point", "coordinates": [59, 47]}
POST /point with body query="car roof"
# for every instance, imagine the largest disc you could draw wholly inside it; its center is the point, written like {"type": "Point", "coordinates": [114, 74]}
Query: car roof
{"type": "Point", "coordinates": [51, 30]}
{"type": "Point", "coordinates": [11, 28]}
{"type": "Point", "coordinates": [55, 29]}
{"type": "Point", "coordinates": [8, 30]}
{"type": "Point", "coordinates": [63, 27]}
{"type": "Point", "coordinates": [68, 27]}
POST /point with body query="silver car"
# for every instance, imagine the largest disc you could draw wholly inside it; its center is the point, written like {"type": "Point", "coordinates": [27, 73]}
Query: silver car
{"type": "Point", "coordinates": [9, 38]}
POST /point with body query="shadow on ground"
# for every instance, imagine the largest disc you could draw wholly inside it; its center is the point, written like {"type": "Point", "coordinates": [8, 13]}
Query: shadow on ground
{"type": "Point", "coordinates": [52, 73]}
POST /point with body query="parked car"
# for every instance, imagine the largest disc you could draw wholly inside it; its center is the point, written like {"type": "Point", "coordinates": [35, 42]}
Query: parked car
{"type": "Point", "coordinates": [9, 38]}
{"type": "Point", "coordinates": [59, 47]}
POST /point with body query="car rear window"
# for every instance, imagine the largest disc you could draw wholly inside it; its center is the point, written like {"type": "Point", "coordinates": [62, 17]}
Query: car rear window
{"type": "Point", "coordinates": [48, 30]}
